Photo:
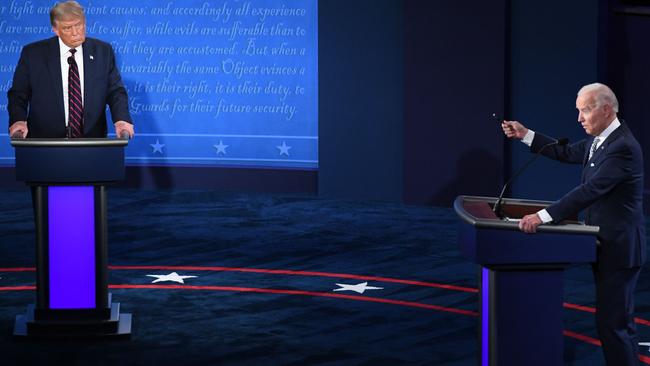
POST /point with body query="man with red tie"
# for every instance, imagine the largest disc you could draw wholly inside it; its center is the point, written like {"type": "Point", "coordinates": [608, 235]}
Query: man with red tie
{"type": "Point", "coordinates": [62, 85]}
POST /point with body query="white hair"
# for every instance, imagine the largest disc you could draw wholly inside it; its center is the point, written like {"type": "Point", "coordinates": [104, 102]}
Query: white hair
{"type": "Point", "coordinates": [602, 95]}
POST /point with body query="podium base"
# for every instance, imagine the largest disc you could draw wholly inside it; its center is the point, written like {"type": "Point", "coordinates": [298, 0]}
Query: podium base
{"type": "Point", "coordinates": [117, 326]}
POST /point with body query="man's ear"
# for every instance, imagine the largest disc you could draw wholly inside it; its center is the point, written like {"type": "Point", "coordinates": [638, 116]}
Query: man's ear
{"type": "Point", "coordinates": [608, 110]}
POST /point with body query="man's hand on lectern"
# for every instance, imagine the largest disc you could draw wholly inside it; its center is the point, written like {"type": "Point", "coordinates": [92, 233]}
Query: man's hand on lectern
{"type": "Point", "coordinates": [124, 129]}
{"type": "Point", "coordinates": [529, 223]}
{"type": "Point", "coordinates": [18, 130]}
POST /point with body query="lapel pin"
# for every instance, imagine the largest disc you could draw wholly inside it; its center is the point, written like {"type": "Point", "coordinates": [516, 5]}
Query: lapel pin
{"type": "Point", "coordinates": [592, 165]}
{"type": "Point", "coordinates": [92, 57]}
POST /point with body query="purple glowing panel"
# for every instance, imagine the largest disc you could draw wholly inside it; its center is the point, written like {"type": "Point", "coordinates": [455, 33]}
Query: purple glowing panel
{"type": "Point", "coordinates": [485, 316]}
{"type": "Point", "coordinates": [71, 224]}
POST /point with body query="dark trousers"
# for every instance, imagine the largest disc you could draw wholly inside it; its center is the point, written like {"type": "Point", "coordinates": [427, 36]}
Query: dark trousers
{"type": "Point", "coordinates": [615, 314]}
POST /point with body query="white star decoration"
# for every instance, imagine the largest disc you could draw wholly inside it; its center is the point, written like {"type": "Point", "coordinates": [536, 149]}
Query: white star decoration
{"type": "Point", "coordinates": [172, 277]}
{"type": "Point", "coordinates": [284, 149]}
{"type": "Point", "coordinates": [221, 148]}
{"type": "Point", "coordinates": [359, 288]}
{"type": "Point", "coordinates": [157, 147]}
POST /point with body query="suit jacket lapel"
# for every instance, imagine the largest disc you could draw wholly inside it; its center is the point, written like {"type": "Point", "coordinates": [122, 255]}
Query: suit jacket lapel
{"type": "Point", "coordinates": [617, 133]}
{"type": "Point", "coordinates": [54, 68]}
{"type": "Point", "coordinates": [89, 70]}
{"type": "Point", "coordinates": [588, 143]}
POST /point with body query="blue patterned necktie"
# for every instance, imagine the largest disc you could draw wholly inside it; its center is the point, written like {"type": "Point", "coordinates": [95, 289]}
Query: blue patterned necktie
{"type": "Point", "coordinates": [75, 106]}
{"type": "Point", "coordinates": [594, 146]}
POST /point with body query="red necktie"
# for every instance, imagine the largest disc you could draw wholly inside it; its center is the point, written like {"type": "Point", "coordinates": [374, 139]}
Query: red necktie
{"type": "Point", "coordinates": [75, 106]}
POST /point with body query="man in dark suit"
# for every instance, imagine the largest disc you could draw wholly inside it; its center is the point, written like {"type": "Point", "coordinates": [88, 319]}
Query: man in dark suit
{"type": "Point", "coordinates": [611, 193]}
{"type": "Point", "coordinates": [62, 85]}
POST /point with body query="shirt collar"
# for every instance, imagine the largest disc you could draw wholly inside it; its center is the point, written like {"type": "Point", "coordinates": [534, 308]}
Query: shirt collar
{"type": "Point", "coordinates": [64, 49]}
{"type": "Point", "coordinates": [612, 126]}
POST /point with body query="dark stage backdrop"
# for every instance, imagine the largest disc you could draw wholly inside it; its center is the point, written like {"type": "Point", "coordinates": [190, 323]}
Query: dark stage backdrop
{"type": "Point", "coordinates": [406, 93]}
{"type": "Point", "coordinates": [553, 52]}
{"type": "Point", "coordinates": [361, 99]}
{"type": "Point", "coordinates": [625, 24]}
{"type": "Point", "coordinates": [455, 79]}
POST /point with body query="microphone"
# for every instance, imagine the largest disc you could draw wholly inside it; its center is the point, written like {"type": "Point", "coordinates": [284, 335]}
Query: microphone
{"type": "Point", "coordinates": [497, 205]}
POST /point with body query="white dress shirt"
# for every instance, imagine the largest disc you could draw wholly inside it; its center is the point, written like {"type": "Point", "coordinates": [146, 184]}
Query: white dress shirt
{"type": "Point", "coordinates": [528, 140]}
{"type": "Point", "coordinates": [78, 57]}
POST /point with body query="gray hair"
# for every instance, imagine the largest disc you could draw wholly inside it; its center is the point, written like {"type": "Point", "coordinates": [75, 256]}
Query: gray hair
{"type": "Point", "coordinates": [66, 10]}
{"type": "Point", "coordinates": [602, 94]}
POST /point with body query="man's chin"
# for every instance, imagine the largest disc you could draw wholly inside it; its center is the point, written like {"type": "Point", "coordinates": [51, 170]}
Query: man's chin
{"type": "Point", "coordinates": [78, 43]}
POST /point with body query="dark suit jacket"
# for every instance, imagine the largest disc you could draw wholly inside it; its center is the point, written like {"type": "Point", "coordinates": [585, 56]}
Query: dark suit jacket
{"type": "Point", "coordinates": [611, 192]}
{"type": "Point", "coordinates": [36, 95]}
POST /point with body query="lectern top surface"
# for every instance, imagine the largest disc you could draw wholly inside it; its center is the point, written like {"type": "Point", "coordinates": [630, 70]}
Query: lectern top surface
{"type": "Point", "coordinates": [465, 207]}
{"type": "Point", "coordinates": [63, 142]}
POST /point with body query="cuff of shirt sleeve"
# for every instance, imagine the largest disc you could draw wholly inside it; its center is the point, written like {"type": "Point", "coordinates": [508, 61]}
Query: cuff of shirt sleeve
{"type": "Point", "coordinates": [544, 216]}
{"type": "Point", "coordinates": [528, 139]}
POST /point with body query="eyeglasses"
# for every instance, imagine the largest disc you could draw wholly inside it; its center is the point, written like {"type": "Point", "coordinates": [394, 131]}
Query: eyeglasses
{"type": "Point", "coordinates": [69, 28]}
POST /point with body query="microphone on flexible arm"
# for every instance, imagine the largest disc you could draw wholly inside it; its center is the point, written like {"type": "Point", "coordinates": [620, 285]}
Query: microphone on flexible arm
{"type": "Point", "coordinates": [497, 205]}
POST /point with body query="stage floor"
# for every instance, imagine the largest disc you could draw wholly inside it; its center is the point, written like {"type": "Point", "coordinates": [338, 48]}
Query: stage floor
{"type": "Point", "coordinates": [215, 278]}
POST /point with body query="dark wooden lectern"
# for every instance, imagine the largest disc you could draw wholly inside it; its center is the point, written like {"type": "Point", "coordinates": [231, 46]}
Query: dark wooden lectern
{"type": "Point", "coordinates": [521, 289]}
{"type": "Point", "coordinates": [68, 179]}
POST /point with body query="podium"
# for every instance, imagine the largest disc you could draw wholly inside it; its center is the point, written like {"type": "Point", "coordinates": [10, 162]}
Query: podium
{"type": "Point", "coordinates": [521, 278]}
{"type": "Point", "coordinates": [68, 181]}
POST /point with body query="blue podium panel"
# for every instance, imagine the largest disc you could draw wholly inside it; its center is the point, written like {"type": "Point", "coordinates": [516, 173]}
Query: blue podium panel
{"type": "Point", "coordinates": [521, 286]}
{"type": "Point", "coordinates": [499, 246]}
{"type": "Point", "coordinates": [71, 231]}
{"type": "Point", "coordinates": [521, 316]}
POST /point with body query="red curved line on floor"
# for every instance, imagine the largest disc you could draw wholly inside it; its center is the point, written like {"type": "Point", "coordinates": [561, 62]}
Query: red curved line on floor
{"type": "Point", "coordinates": [17, 288]}
{"type": "Point", "coordinates": [596, 342]}
{"type": "Point", "coordinates": [299, 273]}
{"type": "Point", "coordinates": [592, 310]}
{"type": "Point", "coordinates": [318, 274]}
{"type": "Point", "coordinates": [582, 337]}
{"type": "Point", "coordinates": [299, 292]}
{"type": "Point", "coordinates": [277, 271]}
{"type": "Point", "coordinates": [18, 269]}
{"type": "Point", "coordinates": [276, 291]}
{"type": "Point", "coordinates": [567, 333]}
{"type": "Point", "coordinates": [587, 309]}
